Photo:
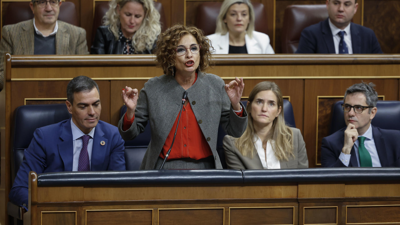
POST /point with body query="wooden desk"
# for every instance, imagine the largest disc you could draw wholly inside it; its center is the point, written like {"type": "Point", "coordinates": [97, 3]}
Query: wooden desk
{"type": "Point", "coordinates": [174, 202]}
{"type": "Point", "coordinates": [312, 83]}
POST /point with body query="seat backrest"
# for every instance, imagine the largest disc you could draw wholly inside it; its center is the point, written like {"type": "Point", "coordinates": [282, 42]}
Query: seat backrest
{"type": "Point", "coordinates": [207, 13]}
{"type": "Point", "coordinates": [296, 18]}
{"type": "Point", "coordinates": [26, 119]}
{"type": "Point", "coordinates": [387, 116]}
{"type": "Point", "coordinates": [289, 120]}
{"type": "Point", "coordinates": [20, 11]}
{"type": "Point", "coordinates": [136, 148]}
{"type": "Point", "coordinates": [103, 6]}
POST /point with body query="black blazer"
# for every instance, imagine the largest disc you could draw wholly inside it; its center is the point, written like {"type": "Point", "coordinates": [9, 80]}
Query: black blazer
{"type": "Point", "coordinates": [318, 38]}
{"type": "Point", "coordinates": [105, 43]}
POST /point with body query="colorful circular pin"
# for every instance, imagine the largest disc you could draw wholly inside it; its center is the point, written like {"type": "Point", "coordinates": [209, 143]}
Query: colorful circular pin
{"type": "Point", "coordinates": [102, 142]}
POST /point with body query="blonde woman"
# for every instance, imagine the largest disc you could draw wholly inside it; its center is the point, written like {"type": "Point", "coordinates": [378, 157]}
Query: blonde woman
{"type": "Point", "coordinates": [267, 142]}
{"type": "Point", "coordinates": [131, 27]}
{"type": "Point", "coordinates": [235, 30]}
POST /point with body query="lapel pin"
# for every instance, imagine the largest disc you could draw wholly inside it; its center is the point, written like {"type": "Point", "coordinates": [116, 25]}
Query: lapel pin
{"type": "Point", "coordinates": [102, 142]}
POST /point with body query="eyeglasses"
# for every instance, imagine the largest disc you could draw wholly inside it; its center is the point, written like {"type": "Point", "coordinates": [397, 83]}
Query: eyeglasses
{"type": "Point", "coordinates": [43, 3]}
{"type": "Point", "coordinates": [181, 50]}
{"type": "Point", "coordinates": [357, 108]}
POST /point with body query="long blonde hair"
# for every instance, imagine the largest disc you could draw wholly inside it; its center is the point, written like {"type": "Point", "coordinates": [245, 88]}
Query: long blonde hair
{"type": "Point", "coordinates": [149, 30]}
{"type": "Point", "coordinates": [222, 28]}
{"type": "Point", "coordinates": [282, 134]}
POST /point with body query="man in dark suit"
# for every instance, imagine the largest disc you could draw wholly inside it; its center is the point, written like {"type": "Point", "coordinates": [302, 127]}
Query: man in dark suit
{"type": "Point", "coordinates": [82, 143]}
{"type": "Point", "coordinates": [337, 34]}
{"type": "Point", "coordinates": [360, 144]}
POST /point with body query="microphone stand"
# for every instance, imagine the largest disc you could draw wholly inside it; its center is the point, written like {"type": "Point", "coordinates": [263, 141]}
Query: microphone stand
{"type": "Point", "coordinates": [176, 129]}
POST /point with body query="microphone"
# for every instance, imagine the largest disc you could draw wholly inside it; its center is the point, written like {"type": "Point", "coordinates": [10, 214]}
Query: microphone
{"type": "Point", "coordinates": [184, 97]}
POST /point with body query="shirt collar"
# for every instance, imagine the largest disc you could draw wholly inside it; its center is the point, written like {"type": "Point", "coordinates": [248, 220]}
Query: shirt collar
{"type": "Point", "coordinates": [40, 33]}
{"type": "Point", "coordinates": [336, 30]}
{"type": "Point", "coordinates": [77, 133]}
{"type": "Point", "coordinates": [368, 133]}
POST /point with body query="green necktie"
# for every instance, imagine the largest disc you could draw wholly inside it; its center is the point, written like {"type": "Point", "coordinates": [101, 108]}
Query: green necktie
{"type": "Point", "coordinates": [365, 157]}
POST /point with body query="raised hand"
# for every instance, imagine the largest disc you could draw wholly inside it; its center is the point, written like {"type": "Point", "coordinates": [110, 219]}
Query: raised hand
{"type": "Point", "coordinates": [235, 90]}
{"type": "Point", "coordinates": [350, 136]}
{"type": "Point", "coordinates": [130, 97]}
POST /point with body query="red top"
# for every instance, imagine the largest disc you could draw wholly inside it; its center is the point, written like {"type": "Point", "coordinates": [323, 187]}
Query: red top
{"type": "Point", "coordinates": [189, 141]}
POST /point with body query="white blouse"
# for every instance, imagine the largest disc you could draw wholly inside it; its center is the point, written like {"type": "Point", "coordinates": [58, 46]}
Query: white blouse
{"type": "Point", "coordinates": [271, 162]}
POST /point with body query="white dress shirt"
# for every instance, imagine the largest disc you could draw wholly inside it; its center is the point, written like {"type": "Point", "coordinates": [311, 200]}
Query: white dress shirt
{"type": "Point", "coordinates": [40, 33]}
{"type": "Point", "coordinates": [336, 37]}
{"type": "Point", "coordinates": [369, 144]}
{"type": "Point", "coordinates": [77, 145]}
{"type": "Point", "coordinates": [270, 162]}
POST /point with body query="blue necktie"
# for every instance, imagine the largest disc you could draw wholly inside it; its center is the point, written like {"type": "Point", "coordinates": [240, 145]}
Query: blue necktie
{"type": "Point", "coordinates": [342, 44]}
{"type": "Point", "coordinates": [84, 164]}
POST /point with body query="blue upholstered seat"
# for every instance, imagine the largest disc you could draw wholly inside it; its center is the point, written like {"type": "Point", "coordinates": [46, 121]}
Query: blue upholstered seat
{"type": "Point", "coordinates": [26, 119]}
{"type": "Point", "coordinates": [387, 116]}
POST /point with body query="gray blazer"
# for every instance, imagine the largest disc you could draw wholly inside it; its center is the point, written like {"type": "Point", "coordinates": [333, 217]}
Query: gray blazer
{"type": "Point", "coordinates": [19, 39]}
{"type": "Point", "coordinates": [160, 101]}
{"type": "Point", "coordinates": [235, 159]}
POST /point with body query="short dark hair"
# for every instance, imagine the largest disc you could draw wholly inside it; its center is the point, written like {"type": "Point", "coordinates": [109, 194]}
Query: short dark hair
{"type": "Point", "coordinates": [79, 84]}
{"type": "Point", "coordinates": [371, 96]}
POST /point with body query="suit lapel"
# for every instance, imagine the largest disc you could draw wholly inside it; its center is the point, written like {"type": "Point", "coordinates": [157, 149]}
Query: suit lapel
{"type": "Point", "coordinates": [257, 160]}
{"type": "Point", "coordinates": [62, 40]}
{"type": "Point", "coordinates": [100, 146]}
{"type": "Point", "coordinates": [223, 44]}
{"type": "Point", "coordinates": [380, 146]}
{"type": "Point", "coordinates": [355, 39]}
{"type": "Point", "coordinates": [250, 44]}
{"type": "Point", "coordinates": [27, 38]}
{"type": "Point", "coordinates": [65, 146]}
{"type": "Point", "coordinates": [328, 38]}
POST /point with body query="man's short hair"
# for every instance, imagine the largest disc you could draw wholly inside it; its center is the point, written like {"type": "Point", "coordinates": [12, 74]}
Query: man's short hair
{"type": "Point", "coordinates": [79, 84]}
{"type": "Point", "coordinates": [368, 90]}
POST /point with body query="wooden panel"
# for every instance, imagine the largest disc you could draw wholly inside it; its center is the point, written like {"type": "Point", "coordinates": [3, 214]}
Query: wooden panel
{"type": "Point", "coordinates": [320, 215]}
{"type": "Point", "coordinates": [373, 214]}
{"type": "Point", "coordinates": [178, 8]}
{"type": "Point", "coordinates": [125, 217]}
{"type": "Point", "coordinates": [382, 17]}
{"type": "Point", "coordinates": [372, 190]}
{"type": "Point", "coordinates": [87, 14]}
{"type": "Point", "coordinates": [59, 218]}
{"type": "Point", "coordinates": [167, 6]}
{"type": "Point", "coordinates": [321, 191]}
{"type": "Point", "coordinates": [188, 193]}
{"type": "Point", "coordinates": [329, 87]}
{"type": "Point", "coordinates": [191, 216]}
{"type": "Point", "coordinates": [47, 194]}
{"type": "Point", "coordinates": [253, 216]}
{"type": "Point", "coordinates": [43, 101]}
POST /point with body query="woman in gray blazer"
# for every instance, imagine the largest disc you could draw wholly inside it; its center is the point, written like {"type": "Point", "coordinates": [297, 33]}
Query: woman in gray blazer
{"type": "Point", "coordinates": [184, 106]}
{"type": "Point", "coordinates": [267, 142]}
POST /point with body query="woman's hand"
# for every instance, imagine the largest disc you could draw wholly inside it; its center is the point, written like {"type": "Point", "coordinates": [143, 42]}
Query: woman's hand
{"type": "Point", "coordinates": [235, 90]}
{"type": "Point", "coordinates": [130, 97]}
